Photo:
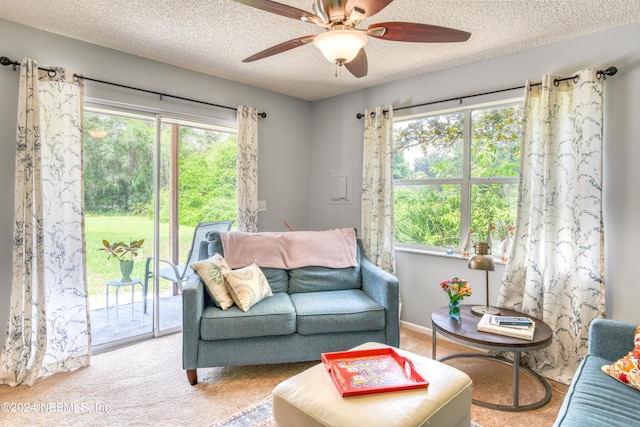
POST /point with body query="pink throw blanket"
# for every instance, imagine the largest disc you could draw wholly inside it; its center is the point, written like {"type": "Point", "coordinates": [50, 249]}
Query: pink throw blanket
{"type": "Point", "coordinates": [333, 248]}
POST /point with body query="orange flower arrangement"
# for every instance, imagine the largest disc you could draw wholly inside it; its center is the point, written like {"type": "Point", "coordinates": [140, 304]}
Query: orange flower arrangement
{"type": "Point", "coordinates": [456, 289]}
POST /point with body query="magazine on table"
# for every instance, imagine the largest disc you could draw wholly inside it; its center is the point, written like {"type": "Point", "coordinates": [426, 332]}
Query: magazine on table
{"type": "Point", "coordinates": [488, 323]}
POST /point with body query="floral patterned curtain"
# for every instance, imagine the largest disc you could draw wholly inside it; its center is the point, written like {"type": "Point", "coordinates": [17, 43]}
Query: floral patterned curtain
{"type": "Point", "coordinates": [48, 329]}
{"type": "Point", "coordinates": [555, 270]}
{"type": "Point", "coordinates": [377, 188]}
{"type": "Point", "coordinates": [247, 169]}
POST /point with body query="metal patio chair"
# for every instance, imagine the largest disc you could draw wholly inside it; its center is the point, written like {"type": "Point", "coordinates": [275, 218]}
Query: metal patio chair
{"type": "Point", "coordinates": [180, 273]}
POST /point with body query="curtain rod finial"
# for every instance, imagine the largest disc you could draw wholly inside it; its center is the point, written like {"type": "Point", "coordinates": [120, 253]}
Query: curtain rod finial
{"type": "Point", "coordinates": [6, 61]}
{"type": "Point", "coordinates": [611, 71]}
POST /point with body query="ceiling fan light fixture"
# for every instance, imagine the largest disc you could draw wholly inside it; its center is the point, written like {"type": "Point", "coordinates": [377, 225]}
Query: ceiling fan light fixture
{"type": "Point", "coordinates": [340, 46]}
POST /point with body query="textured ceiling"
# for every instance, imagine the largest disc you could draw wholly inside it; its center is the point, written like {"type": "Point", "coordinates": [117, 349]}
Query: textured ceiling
{"type": "Point", "coordinates": [213, 36]}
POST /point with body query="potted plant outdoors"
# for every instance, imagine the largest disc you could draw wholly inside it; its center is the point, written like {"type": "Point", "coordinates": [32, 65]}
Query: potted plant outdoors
{"type": "Point", "coordinates": [124, 253]}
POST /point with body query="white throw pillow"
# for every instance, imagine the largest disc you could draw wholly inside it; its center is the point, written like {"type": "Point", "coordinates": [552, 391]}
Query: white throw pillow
{"type": "Point", "coordinates": [211, 271]}
{"type": "Point", "coordinates": [247, 286]}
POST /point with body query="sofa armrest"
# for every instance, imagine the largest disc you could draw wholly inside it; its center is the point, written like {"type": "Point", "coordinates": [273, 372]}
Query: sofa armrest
{"type": "Point", "coordinates": [610, 339]}
{"type": "Point", "coordinates": [383, 288]}
{"type": "Point", "coordinates": [192, 308]}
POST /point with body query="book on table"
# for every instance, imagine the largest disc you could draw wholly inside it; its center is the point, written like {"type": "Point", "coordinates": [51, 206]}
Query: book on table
{"type": "Point", "coordinates": [488, 323]}
{"type": "Point", "coordinates": [512, 322]}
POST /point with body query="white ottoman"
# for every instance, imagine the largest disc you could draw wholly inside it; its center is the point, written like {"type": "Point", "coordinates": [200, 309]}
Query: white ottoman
{"type": "Point", "coordinates": [311, 399]}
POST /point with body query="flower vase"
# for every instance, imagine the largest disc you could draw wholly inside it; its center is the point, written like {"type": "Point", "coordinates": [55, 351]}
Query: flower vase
{"type": "Point", "coordinates": [454, 310]}
{"type": "Point", "coordinates": [126, 267]}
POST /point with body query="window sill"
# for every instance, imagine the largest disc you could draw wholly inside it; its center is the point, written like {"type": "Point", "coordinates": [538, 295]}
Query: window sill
{"type": "Point", "coordinates": [421, 251]}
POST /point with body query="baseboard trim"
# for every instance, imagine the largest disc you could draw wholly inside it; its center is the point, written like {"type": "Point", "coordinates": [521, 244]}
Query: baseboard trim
{"type": "Point", "coordinates": [428, 331]}
{"type": "Point", "coordinates": [416, 328]}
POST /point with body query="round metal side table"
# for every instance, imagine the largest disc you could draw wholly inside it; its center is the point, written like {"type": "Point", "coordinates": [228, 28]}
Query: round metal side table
{"type": "Point", "coordinates": [465, 331]}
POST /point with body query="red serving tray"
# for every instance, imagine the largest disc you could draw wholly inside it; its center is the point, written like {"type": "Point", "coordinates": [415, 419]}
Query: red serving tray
{"type": "Point", "coordinates": [369, 371]}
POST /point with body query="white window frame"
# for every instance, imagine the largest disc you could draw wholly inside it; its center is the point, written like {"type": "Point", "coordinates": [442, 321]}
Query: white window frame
{"type": "Point", "coordinates": [466, 182]}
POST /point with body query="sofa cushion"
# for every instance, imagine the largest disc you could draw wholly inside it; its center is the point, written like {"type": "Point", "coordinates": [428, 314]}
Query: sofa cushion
{"type": "Point", "coordinates": [211, 271]}
{"type": "Point", "coordinates": [278, 279]}
{"type": "Point", "coordinates": [215, 244]}
{"type": "Point", "coordinates": [247, 286]}
{"type": "Point", "coordinates": [595, 399]}
{"type": "Point", "coordinates": [273, 316]}
{"type": "Point", "coordinates": [626, 368]}
{"type": "Point", "coordinates": [314, 279]}
{"type": "Point", "coordinates": [348, 310]}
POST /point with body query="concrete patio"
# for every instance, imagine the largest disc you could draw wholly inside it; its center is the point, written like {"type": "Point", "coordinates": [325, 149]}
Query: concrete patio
{"type": "Point", "coordinates": [103, 331]}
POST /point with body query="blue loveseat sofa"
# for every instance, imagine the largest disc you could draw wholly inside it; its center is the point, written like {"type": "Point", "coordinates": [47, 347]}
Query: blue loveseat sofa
{"type": "Point", "coordinates": [594, 398]}
{"type": "Point", "coordinates": [313, 310]}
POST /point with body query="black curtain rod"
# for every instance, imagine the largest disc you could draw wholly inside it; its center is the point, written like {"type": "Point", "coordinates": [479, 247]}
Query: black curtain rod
{"type": "Point", "coordinates": [6, 62]}
{"type": "Point", "coordinates": [611, 71]}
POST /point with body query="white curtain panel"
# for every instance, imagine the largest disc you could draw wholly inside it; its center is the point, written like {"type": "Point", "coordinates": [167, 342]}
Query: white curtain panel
{"type": "Point", "coordinates": [48, 329]}
{"type": "Point", "coordinates": [555, 269]}
{"type": "Point", "coordinates": [247, 169]}
{"type": "Point", "coordinates": [377, 188]}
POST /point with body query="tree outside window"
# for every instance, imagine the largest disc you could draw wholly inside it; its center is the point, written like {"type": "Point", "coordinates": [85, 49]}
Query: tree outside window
{"type": "Point", "coordinates": [119, 187]}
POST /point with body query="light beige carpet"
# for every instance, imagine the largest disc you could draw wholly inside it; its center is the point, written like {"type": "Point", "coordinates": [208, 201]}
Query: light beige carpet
{"type": "Point", "coordinates": [260, 415]}
{"type": "Point", "coordinates": [144, 385]}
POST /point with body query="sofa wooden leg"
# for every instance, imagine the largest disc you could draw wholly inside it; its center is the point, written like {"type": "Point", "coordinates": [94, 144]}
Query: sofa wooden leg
{"type": "Point", "coordinates": [192, 375]}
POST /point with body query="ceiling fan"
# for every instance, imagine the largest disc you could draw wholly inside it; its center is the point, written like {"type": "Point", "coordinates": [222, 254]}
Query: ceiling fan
{"type": "Point", "coordinates": [342, 42]}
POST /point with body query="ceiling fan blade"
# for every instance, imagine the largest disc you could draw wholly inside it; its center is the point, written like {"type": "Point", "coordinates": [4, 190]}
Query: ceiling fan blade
{"type": "Point", "coordinates": [358, 66]}
{"type": "Point", "coordinates": [414, 32]}
{"type": "Point", "coordinates": [365, 8]}
{"type": "Point", "coordinates": [282, 47]}
{"type": "Point", "coordinates": [281, 9]}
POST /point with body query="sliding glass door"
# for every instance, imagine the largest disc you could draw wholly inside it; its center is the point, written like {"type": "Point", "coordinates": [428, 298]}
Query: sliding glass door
{"type": "Point", "coordinates": [197, 183]}
{"type": "Point", "coordinates": [149, 178]}
{"type": "Point", "coordinates": [118, 201]}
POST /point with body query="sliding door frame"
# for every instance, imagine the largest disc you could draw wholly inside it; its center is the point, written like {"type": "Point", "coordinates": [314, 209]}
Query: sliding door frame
{"type": "Point", "coordinates": [158, 116]}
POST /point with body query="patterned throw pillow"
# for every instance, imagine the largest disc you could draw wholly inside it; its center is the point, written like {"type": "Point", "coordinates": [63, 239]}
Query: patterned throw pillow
{"type": "Point", "coordinates": [211, 272]}
{"type": "Point", "coordinates": [626, 369]}
{"type": "Point", "coordinates": [247, 286]}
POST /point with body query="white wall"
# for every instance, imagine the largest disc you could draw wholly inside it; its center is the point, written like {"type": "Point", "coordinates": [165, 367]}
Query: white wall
{"type": "Point", "coordinates": [283, 135]}
{"type": "Point", "coordinates": [337, 141]}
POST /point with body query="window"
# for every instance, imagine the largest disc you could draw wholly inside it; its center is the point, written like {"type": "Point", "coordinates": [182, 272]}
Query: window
{"type": "Point", "coordinates": [456, 170]}
{"type": "Point", "coordinates": [206, 166]}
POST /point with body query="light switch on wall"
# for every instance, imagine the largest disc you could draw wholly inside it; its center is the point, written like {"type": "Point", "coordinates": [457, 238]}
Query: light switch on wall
{"type": "Point", "coordinates": [262, 205]}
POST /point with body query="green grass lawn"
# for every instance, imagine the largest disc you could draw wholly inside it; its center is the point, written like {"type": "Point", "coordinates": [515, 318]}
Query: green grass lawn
{"type": "Point", "coordinates": [125, 228]}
